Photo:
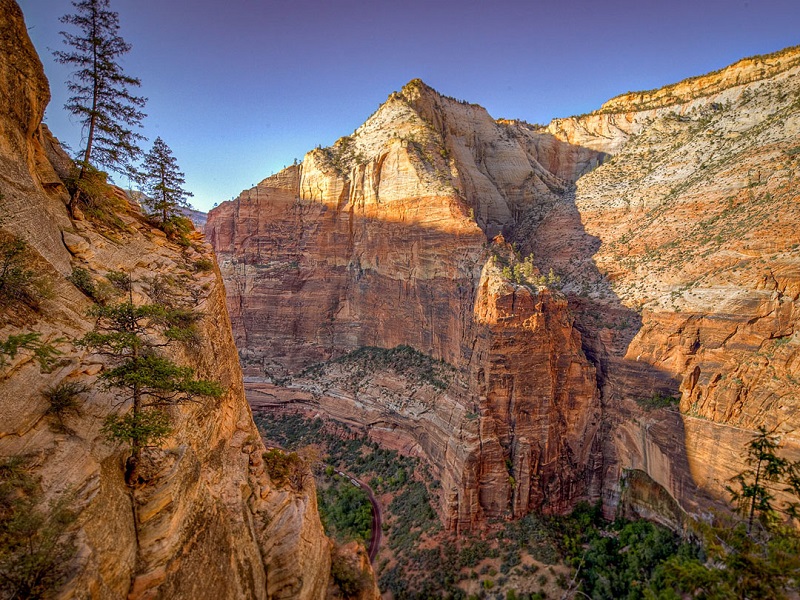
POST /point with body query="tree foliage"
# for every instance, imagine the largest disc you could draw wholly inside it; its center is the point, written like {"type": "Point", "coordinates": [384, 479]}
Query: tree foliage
{"type": "Point", "coordinates": [134, 337]}
{"type": "Point", "coordinates": [758, 563]}
{"type": "Point", "coordinates": [20, 284]}
{"type": "Point", "coordinates": [163, 183]}
{"type": "Point", "coordinates": [44, 352]}
{"type": "Point", "coordinates": [101, 96]}
{"type": "Point", "coordinates": [755, 488]}
{"type": "Point", "coordinates": [35, 542]}
{"type": "Point", "coordinates": [287, 468]}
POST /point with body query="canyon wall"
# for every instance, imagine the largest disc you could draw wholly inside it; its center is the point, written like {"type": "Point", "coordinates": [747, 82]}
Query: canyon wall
{"type": "Point", "coordinates": [682, 255]}
{"type": "Point", "coordinates": [381, 241]}
{"type": "Point", "coordinates": [208, 522]}
{"type": "Point", "coordinates": [666, 223]}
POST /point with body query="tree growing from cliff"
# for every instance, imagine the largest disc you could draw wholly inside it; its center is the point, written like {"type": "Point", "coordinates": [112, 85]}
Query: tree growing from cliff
{"type": "Point", "coordinates": [101, 92]}
{"type": "Point", "coordinates": [36, 544]}
{"type": "Point", "coordinates": [163, 183]}
{"type": "Point", "coordinates": [754, 490]}
{"type": "Point", "coordinates": [134, 338]}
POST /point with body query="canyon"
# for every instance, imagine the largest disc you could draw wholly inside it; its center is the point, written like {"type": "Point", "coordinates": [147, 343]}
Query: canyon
{"type": "Point", "coordinates": [207, 521]}
{"type": "Point", "coordinates": [611, 293]}
{"type": "Point", "coordinates": [600, 309]}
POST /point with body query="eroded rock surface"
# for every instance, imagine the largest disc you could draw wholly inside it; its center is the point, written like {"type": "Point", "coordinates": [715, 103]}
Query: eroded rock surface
{"type": "Point", "coordinates": [382, 241]}
{"type": "Point", "coordinates": [208, 522]}
{"type": "Point", "coordinates": [669, 222]}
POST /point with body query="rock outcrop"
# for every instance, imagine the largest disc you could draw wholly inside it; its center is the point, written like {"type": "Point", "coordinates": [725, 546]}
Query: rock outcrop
{"type": "Point", "coordinates": [684, 249]}
{"type": "Point", "coordinates": [382, 241]}
{"type": "Point", "coordinates": [667, 219]}
{"type": "Point", "coordinates": [208, 522]}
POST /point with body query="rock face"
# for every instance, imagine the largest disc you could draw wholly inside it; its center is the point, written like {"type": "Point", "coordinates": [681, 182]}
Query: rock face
{"type": "Point", "coordinates": [382, 241]}
{"type": "Point", "coordinates": [688, 254]}
{"type": "Point", "coordinates": [208, 523]}
{"type": "Point", "coordinates": [669, 221]}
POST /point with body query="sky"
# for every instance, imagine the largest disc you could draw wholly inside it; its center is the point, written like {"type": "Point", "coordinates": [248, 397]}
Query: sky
{"type": "Point", "coordinates": [240, 88]}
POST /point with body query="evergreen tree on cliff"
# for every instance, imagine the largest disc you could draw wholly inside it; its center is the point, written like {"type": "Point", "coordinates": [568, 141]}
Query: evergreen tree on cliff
{"type": "Point", "coordinates": [101, 92]}
{"type": "Point", "coordinates": [164, 194]}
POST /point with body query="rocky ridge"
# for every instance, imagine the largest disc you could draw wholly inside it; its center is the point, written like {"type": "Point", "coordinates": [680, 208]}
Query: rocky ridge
{"type": "Point", "coordinates": [685, 264]}
{"type": "Point", "coordinates": [381, 240]}
{"type": "Point", "coordinates": [669, 222]}
{"type": "Point", "coordinates": [208, 522]}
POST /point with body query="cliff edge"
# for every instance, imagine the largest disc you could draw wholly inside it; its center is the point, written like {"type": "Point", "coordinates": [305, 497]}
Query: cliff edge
{"type": "Point", "coordinates": [206, 520]}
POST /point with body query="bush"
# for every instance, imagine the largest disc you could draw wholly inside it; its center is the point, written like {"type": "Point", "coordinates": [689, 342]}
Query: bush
{"type": "Point", "coordinates": [286, 468]}
{"type": "Point", "coordinates": [82, 279]}
{"type": "Point", "coordinates": [349, 579]}
{"type": "Point", "coordinates": [204, 265]}
{"type": "Point", "coordinates": [19, 284]}
{"type": "Point", "coordinates": [99, 291]}
{"type": "Point", "coordinates": [98, 199]}
{"type": "Point", "coordinates": [63, 399]}
{"type": "Point", "coordinates": [35, 543]}
{"type": "Point", "coordinates": [657, 400]}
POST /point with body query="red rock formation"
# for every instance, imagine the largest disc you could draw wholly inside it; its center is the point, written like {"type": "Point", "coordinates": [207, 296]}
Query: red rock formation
{"type": "Point", "coordinates": [684, 252]}
{"type": "Point", "coordinates": [209, 522]}
{"type": "Point", "coordinates": [678, 259]}
{"type": "Point", "coordinates": [374, 243]}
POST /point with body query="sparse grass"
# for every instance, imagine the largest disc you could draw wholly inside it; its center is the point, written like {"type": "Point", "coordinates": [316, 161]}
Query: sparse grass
{"type": "Point", "coordinates": [657, 400]}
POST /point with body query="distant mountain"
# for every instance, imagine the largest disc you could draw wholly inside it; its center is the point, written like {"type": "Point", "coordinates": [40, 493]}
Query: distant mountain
{"type": "Point", "coordinates": [197, 217]}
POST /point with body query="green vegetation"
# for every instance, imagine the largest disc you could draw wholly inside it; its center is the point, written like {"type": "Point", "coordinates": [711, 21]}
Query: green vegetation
{"type": "Point", "coordinates": [345, 509]}
{"type": "Point", "coordinates": [204, 265]}
{"type": "Point", "coordinates": [63, 399]}
{"type": "Point", "coordinates": [755, 488]}
{"type": "Point", "coordinates": [101, 98]}
{"type": "Point", "coordinates": [99, 291]}
{"type": "Point", "coordinates": [522, 271]}
{"type": "Point", "coordinates": [346, 576]}
{"type": "Point", "coordinates": [35, 542]}
{"type": "Point", "coordinates": [403, 360]}
{"type": "Point", "coordinates": [19, 282]}
{"type": "Point", "coordinates": [619, 559]}
{"type": "Point", "coordinates": [342, 156]}
{"type": "Point", "coordinates": [657, 400]}
{"type": "Point", "coordinates": [44, 352]}
{"type": "Point", "coordinates": [389, 470]}
{"type": "Point", "coordinates": [150, 381]}
{"type": "Point", "coordinates": [163, 181]}
{"type": "Point", "coordinates": [287, 468]}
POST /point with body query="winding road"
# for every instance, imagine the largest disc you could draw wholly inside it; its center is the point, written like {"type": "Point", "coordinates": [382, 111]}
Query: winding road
{"type": "Point", "coordinates": [375, 539]}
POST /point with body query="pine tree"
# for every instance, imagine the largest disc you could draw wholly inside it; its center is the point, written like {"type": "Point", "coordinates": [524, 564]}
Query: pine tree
{"type": "Point", "coordinates": [755, 489]}
{"type": "Point", "coordinates": [164, 194]}
{"type": "Point", "coordinates": [101, 96]}
{"type": "Point", "coordinates": [133, 337]}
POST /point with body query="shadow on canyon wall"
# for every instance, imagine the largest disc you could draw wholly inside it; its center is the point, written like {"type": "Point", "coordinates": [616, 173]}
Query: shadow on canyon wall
{"type": "Point", "coordinates": [633, 437]}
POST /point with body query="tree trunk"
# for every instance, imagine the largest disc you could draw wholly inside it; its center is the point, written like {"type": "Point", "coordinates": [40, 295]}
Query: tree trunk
{"type": "Point", "coordinates": [73, 201]}
{"type": "Point", "coordinates": [753, 499]}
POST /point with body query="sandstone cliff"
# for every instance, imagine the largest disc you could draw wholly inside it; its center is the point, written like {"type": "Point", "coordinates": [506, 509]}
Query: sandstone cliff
{"type": "Point", "coordinates": [683, 251]}
{"type": "Point", "coordinates": [208, 523]}
{"type": "Point", "coordinates": [669, 222]}
{"type": "Point", "coordinates": [381, 240]}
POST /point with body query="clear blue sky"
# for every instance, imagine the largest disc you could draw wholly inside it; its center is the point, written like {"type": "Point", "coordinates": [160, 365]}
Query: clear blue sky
{"type": "Point", "coordinates": [239, 88]}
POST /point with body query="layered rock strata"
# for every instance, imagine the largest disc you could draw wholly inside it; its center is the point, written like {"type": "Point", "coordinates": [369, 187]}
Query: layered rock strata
{"type": "Point", "coordinates": [685, 267]}
{"type": "Point", "coordinates": [208, 522]}
{"type": "Point", "coordinates": [677, 258]}
{"type": "Point", "coordinates": [381, 240]}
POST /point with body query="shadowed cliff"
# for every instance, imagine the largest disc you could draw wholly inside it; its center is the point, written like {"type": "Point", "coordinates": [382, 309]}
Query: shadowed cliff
{"type": "Point", "coordinates": [384, 239]}
{"type": "Point", "coordinates": [205, 520]}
